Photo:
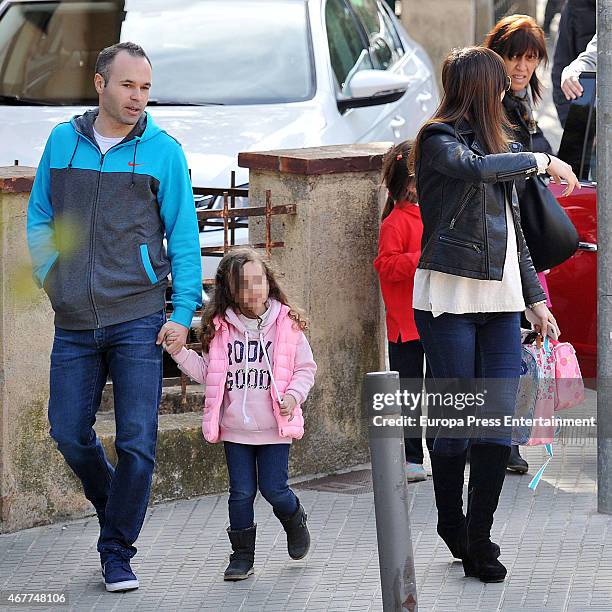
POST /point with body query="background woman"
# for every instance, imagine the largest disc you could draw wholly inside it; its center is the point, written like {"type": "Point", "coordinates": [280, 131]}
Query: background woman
{"type": "Point", "coordinates": [520, 42]}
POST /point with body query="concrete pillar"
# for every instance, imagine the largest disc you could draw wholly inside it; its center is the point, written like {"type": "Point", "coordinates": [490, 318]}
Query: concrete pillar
{"type": "Point", "coordinates": [327, 268]}
{"type": "Point", "coordinates": [441, 26]}
{"type": "Point", "coordinates": [34, 480]}
{"type": "Point", "coordinates": [485, 19]}
{"type": "Point", "coordinates": [526, 7]}
{"type": "Point", "coordinates": [604, 258]}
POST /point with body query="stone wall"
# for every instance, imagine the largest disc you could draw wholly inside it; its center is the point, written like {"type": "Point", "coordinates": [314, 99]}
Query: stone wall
{"type": "Point", "coordinates": [330, 244]}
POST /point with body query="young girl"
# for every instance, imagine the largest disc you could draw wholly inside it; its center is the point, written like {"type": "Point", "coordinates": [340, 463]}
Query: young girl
{"type": "Point", "coordinates": [399, 249]}
{"type": "Point", "coordinates": [474, 278]}
{"type": "Point", "coordinates": [258, 369]}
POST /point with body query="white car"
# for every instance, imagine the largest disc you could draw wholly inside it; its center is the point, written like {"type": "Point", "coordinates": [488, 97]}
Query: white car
{"type": "Point", "coordinates": [228, 76]}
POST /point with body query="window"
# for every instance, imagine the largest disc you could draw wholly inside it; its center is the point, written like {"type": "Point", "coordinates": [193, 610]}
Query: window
{"type": "Point", "coordinates": [212, 51]}
{"type": "Point", "coordinates": [578, 144]}
{"type": "Point", "coordinates": [592, 165]}
{"type": "Point", "coordinates": [346, 46]}
{"type": "Point", "coordinates": [385, 45]}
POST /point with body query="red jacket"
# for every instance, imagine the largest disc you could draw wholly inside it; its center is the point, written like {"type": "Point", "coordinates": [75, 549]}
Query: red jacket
{"type": "Point", "coordinates": [399, 250]}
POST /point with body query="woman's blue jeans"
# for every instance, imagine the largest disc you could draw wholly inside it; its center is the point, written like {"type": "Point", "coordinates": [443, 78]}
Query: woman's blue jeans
{"type": "Point", "coordinates": [475, 346]}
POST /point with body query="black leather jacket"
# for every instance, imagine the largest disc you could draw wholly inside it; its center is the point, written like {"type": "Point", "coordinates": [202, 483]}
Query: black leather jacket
{"type": "Point", "coordinates": [462, 194]}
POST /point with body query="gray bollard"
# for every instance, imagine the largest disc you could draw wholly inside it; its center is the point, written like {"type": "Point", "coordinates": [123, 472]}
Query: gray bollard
{"type": "Point", "coordinates": [396, 560]}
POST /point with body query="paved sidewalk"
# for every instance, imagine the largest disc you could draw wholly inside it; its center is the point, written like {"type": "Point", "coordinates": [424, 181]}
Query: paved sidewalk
{"type": "Point", "coordinates": [558, 551]}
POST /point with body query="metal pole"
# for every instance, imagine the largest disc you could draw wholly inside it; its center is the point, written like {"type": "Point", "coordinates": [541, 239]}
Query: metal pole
{"type": "Point", "coordinates": [395, 556]}
{"type": "Point", "coordinates": [604, 257]}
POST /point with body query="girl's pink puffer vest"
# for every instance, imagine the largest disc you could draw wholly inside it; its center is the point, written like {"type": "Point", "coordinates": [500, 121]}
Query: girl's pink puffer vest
{"type": "Point", "coordinates": [286, 340]}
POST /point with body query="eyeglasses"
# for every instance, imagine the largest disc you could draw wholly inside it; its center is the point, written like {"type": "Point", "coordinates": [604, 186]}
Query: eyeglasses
{"type": "Point", "coordinates": [509, 85]}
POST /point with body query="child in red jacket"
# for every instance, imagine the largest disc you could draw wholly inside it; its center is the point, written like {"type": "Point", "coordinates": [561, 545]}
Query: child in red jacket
{"type": "Point", "coordinates": [399, 249]}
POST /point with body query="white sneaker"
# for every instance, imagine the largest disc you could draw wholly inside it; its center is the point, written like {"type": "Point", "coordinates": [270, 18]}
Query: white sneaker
{"type": "Point", "coordinates": [415, 472]}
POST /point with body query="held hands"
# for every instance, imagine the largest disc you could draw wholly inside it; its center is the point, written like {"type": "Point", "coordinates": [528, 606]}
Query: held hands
{"type": "Point", "coordinates": [543, 321]}
{"type": "Point", "coordinates": [559, 171]}
{"type": "Point", "coordinates": [173, 336]}
{"type": "Point", "coordinates": [287, 405]}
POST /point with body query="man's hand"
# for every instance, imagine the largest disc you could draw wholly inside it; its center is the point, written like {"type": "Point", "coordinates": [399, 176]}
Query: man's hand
{"type": "Point", "coordinates": [287, 405]}
{"type": "Point", "coordinates": [173, 336]}
{"type": "Point", "coordinates": [571, 87]}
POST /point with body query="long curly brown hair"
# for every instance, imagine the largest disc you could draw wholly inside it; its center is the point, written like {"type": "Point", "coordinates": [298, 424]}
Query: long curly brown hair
{"type": "Point", "coordinates": [227, 290]}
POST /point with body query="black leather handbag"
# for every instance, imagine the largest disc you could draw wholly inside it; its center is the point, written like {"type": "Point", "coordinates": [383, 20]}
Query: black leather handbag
{"type": "Point", "coordinates": [551, 236]}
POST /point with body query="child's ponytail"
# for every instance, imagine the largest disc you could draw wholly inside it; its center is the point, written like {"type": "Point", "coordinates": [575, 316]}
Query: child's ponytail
{"type": "Point", "coordinates": [397, 177]}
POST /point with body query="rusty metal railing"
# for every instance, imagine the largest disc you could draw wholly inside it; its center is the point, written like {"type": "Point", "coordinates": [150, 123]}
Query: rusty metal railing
{"type": "Point", "coordinates": [229, 218]}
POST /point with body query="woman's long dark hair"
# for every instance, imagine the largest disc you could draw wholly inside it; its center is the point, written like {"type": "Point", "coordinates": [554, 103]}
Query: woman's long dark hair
{"type": "Point", "coordinates": [397, 178]}
{"type": "Point", "coordinates": [473, 79]}
{"type": "Point", "coordinates": [227, 290]}
{"type": "Point", "coordinates": [517, 35]}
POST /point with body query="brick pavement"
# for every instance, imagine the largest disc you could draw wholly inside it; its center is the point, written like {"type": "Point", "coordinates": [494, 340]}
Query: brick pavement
{"type": "Point", "coordinates": [558, 551]}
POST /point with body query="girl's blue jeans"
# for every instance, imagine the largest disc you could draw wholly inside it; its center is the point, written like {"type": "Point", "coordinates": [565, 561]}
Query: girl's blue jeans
{"type": "Point", "coordinates": [251, 466]}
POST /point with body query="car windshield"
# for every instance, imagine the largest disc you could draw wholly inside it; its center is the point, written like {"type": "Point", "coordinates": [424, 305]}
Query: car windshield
{"type": "Point", "coordinates": [202, 51]}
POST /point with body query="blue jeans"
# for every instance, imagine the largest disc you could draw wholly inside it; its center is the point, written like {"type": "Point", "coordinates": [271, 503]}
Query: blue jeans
{"type": "Point", "coordinates": [250, 465]}
{"type": "Point", "coordinates": [474, 346]}
{"type": "Point", "coordinates": [80, 364]}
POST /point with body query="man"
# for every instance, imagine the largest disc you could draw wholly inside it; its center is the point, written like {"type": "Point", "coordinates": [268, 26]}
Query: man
{"type": "Point", "coordinates": [576, 28]}
{"type": "Point", "coordinates": [585, 62]}
{"type": "Point", "coordinates": [109, 185]}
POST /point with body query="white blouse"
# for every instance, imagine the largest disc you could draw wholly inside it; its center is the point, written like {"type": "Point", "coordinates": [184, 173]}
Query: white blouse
{"type": "Point", "coordinates": [438, 292]}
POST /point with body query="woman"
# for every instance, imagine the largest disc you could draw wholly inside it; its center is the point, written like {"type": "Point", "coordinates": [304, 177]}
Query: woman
{"type": "Point", "coordinates": [474, 278]}
{"type": "Point", "coordinates": [520, 42]}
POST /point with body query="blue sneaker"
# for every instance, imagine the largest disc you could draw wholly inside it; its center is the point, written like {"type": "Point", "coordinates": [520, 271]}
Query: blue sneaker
{"type": "Point", "coordinates": [118, 575]}
{"type": "Point", "coordinates": [415, 472]}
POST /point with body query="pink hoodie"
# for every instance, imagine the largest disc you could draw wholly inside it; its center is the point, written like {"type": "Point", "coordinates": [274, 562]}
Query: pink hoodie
{"type": "Point", "coordinates": [247, 415]}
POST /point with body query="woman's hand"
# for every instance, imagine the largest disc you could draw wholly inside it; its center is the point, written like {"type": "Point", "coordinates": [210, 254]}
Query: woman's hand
{"type": "Point", "coordinates": [559, 171]}
{"type": "Point", "coordinates": [543, 321]}
{"type": "Point", "coordinates": [288, 405]}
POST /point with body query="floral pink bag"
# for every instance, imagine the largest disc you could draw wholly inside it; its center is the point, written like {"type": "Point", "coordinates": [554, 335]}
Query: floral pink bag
{"type": "Point", "coordinates": [546, 393]}
{"type": "Point", "coordinates": [569, 387]}
{"type": "Point", "coordinates": [559, 387]}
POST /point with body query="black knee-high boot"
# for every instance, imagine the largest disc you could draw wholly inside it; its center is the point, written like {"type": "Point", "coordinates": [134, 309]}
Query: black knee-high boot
{"type": "Point", "coordinates": [487, 473]}
{"type": "Point", "coordinates": [447, 475]}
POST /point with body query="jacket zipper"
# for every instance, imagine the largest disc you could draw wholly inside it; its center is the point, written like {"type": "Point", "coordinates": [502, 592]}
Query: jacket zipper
{"type": "Point", "coordinates": [92, 246]}
{"type": "Point", "coordinates": [502, 175]}
{"type": "Point", "coordinates": [485, 237]}
{"type": "Point", "coordinates": [516, 229]}
{"type": "Point", "coordinates": [462, 205]}
{"type": "Point", "coordinates": [463, 243]}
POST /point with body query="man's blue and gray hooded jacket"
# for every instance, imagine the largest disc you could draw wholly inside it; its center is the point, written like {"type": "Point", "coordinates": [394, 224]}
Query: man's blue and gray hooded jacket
{"type": "Point", "coordinates": [96, 225]}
